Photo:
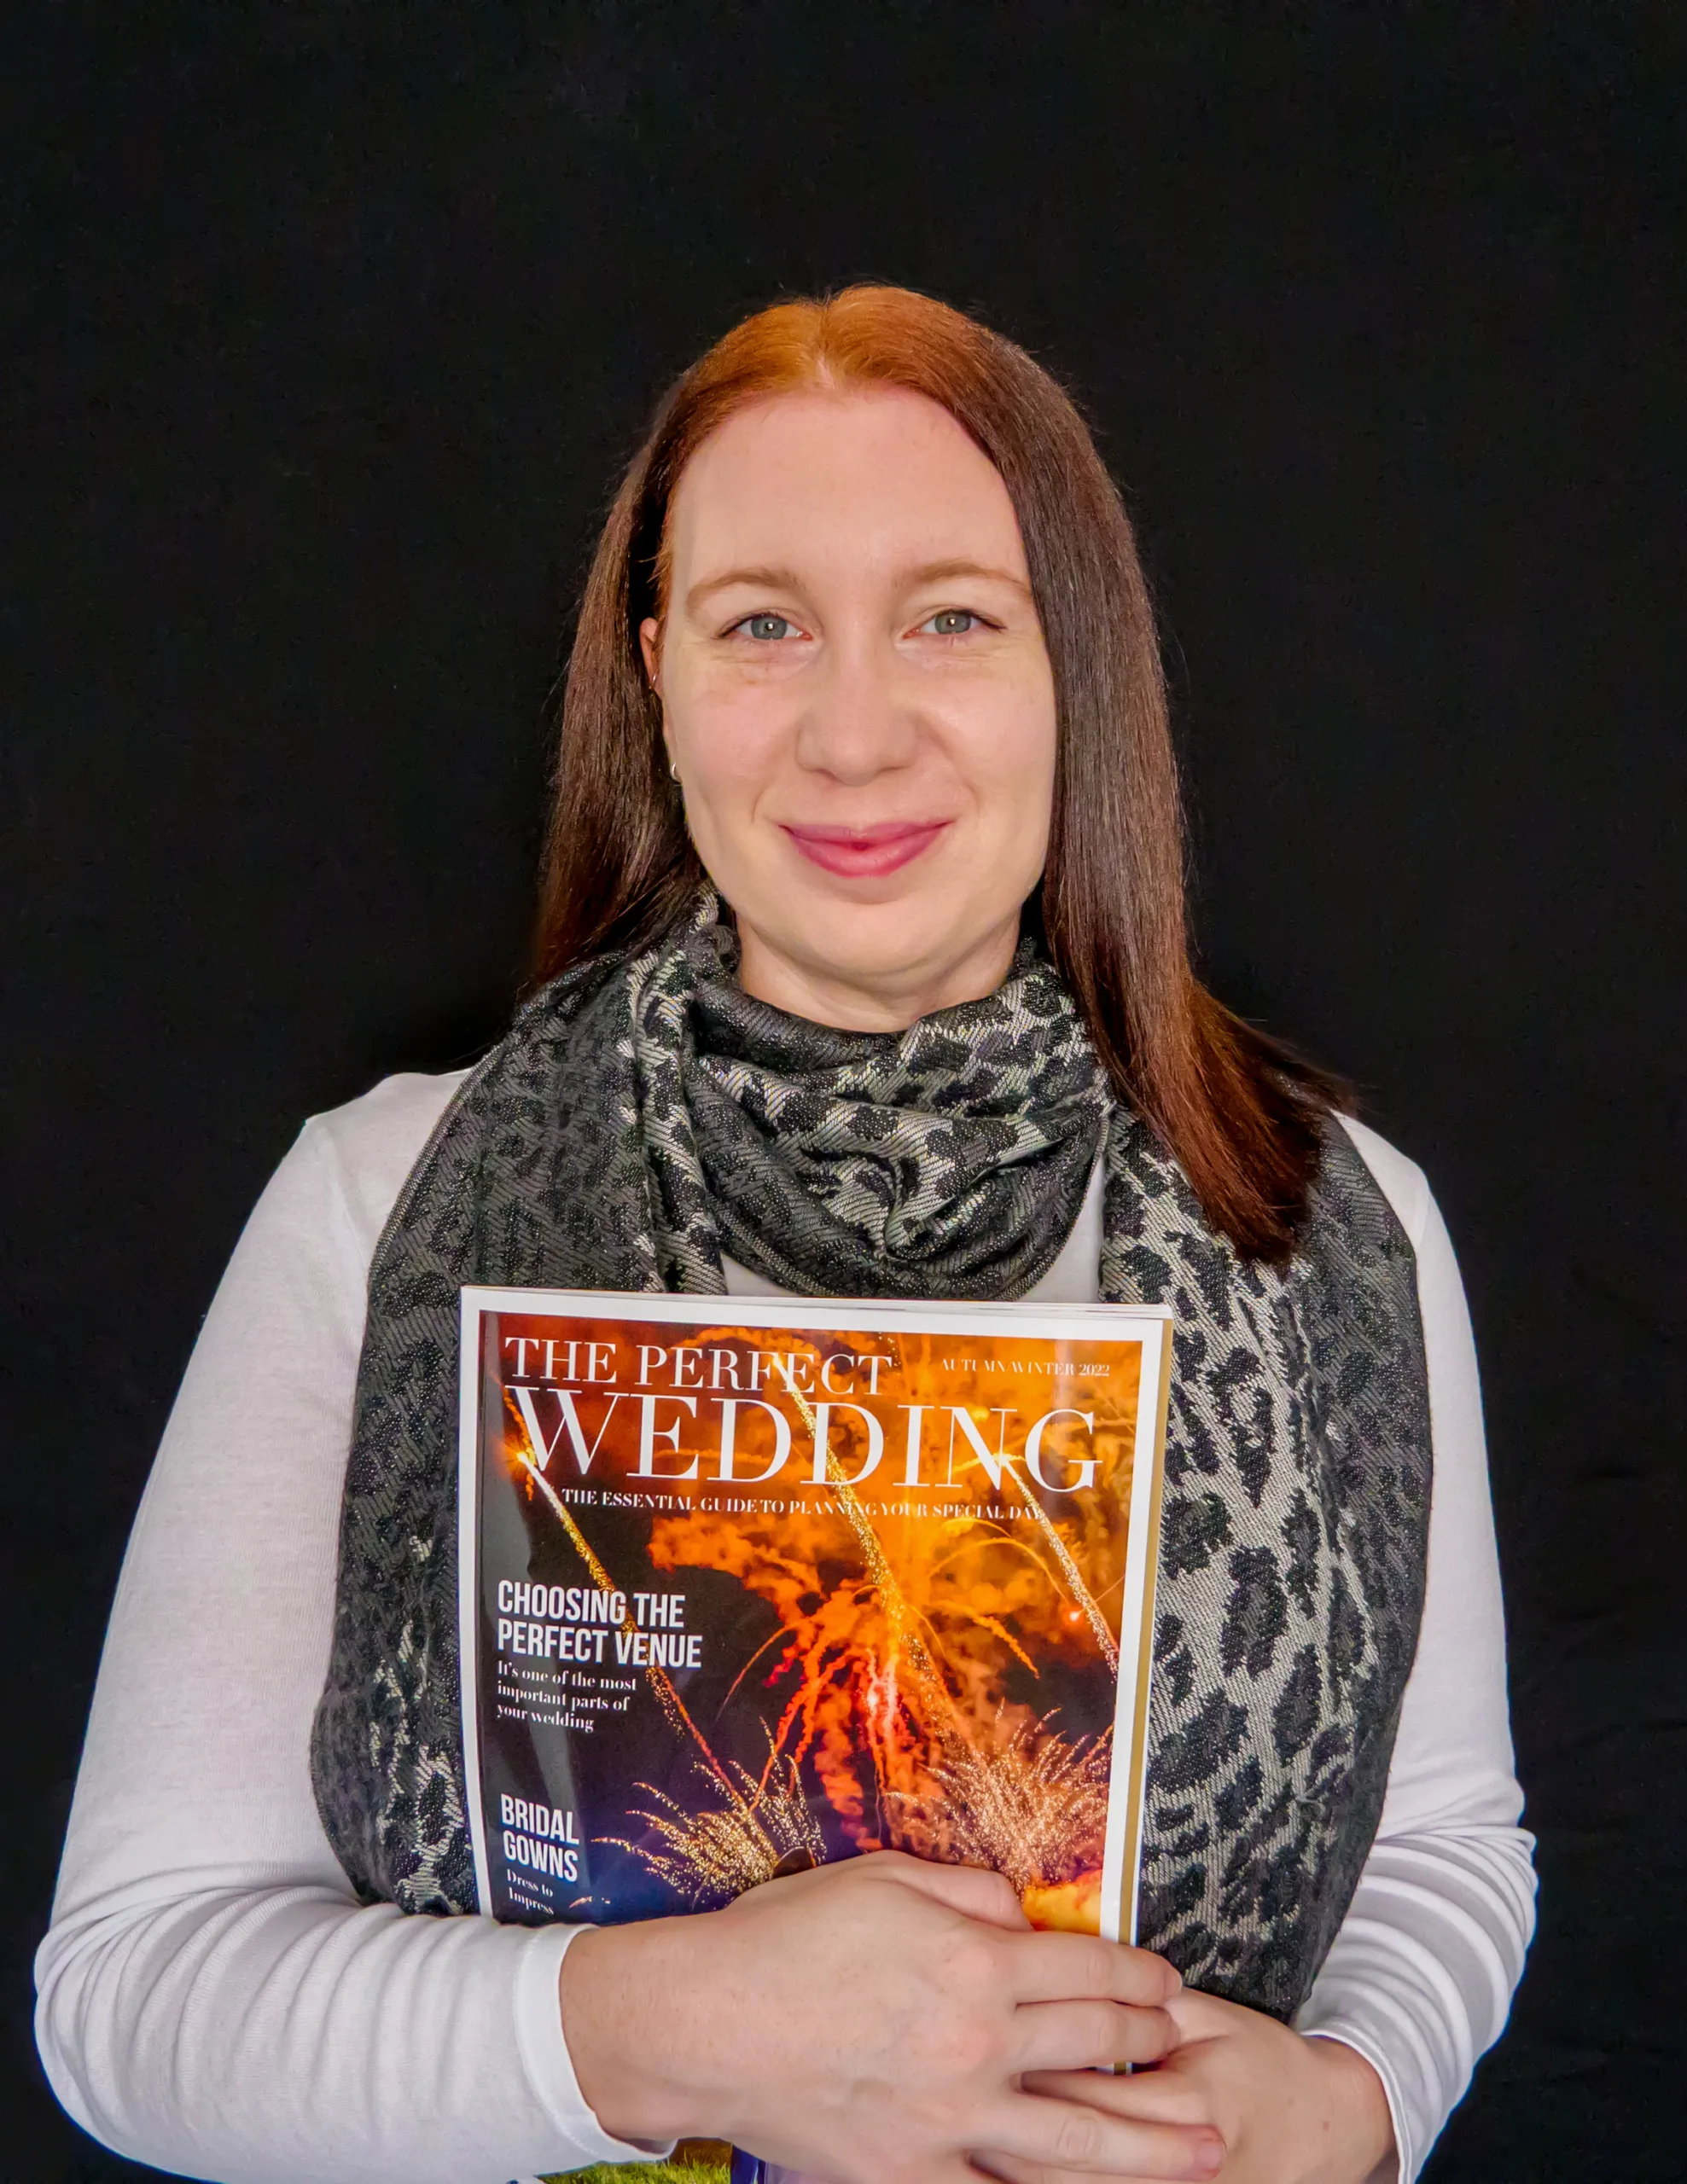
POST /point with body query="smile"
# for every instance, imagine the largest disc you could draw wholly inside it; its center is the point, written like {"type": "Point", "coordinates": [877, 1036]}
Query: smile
{"type": "Point", "coordinates": [866, 852]}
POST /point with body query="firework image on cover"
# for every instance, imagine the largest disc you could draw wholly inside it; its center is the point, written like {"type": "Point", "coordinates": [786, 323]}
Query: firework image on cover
{"type": "Point", "coordinates": [747, 1584]}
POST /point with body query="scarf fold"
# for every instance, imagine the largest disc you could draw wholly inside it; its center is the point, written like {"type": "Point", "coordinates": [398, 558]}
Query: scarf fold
{"type": "Point", "coordinates": [946, 1161]}
{"type": "Point", "coordinates": [643, 1114]}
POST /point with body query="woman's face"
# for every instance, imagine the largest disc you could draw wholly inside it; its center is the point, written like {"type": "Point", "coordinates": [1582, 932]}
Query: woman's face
{"type": "Point", "coordinates": [857, 695]}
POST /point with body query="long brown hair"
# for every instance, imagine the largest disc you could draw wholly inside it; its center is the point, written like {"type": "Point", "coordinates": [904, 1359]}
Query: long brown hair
{"type": "Point", "coordinates": [1243, 1115]}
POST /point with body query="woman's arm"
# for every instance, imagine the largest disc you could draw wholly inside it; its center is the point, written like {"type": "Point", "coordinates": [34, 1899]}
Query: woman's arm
{"type": "Point", "coordinates": [1420, 1977]}
{"type": "Point", "coordinates": [211, 1998]}
{"type": "Point", "coordinates": [1419, 1980]}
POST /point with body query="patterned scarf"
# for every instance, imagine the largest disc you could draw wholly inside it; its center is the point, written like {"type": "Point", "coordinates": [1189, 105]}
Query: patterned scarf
{"type": "Point", "coordinates": [643, 1114]}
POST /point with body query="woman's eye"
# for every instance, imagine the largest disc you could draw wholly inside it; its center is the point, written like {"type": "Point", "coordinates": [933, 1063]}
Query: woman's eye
{"type": "Point", "coordinates": [768, 629]}
{"type": "Point", "coordinates": [952, 622]}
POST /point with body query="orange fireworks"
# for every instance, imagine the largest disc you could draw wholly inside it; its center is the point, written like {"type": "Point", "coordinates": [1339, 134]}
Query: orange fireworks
{"type": "Point", "coordinates": [898, 1631]}
{"type": "Point", "coordinates": [715, 1851]}
{"type": "Point", "coordinates": [914, 1614]}
{"type": "Point", "coordinates": [1033, 1806]}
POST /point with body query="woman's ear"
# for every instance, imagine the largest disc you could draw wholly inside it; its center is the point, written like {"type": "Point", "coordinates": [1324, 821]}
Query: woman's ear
{"type": "Point", "coordinates": [650, 644]}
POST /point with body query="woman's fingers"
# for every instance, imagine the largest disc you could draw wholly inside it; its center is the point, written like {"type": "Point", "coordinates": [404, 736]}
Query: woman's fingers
{"type": "Point", "coordinates": [1071, 2036]}
{"type": "Point", "coordinates": [1036, 2172]}
{"type": "Point", "coordinates": [1147, 2097]}
{"type": "Point", "coordinates": [973, 1891]}
{"type": "Point", "coordinates": [1013, 2171]}
{"type": "Point", "coordinates": [1066, 1967]}
{"type": "Point", "coordinates": [1055, 2138]}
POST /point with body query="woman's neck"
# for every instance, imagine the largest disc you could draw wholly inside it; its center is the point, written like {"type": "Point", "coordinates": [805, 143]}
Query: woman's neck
{"type": "Point", "coordinates": [872, 999]}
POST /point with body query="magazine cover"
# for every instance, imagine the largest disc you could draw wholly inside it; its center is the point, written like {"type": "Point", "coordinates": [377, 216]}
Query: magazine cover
{"type": "Point", "coordinates": [748, 1584]}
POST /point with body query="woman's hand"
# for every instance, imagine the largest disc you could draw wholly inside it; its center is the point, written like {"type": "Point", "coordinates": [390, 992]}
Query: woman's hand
{"type": "Point", "coordinates": [1290, 2110]}
{"type": "Point", "coordinates": [869, 2022]}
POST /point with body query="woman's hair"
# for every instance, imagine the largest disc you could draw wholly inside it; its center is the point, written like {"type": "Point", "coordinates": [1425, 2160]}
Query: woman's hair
{"type": "Point", "coordinates": [1243, 1116]}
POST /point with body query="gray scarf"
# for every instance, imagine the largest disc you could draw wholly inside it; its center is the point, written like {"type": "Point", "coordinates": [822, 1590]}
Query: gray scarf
{"type": "Point", "coordinates": [643, 1114]}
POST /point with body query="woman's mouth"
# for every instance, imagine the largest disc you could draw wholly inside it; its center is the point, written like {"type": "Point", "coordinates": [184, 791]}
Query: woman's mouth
{"type": "Point", "coordinates": [866, 852]}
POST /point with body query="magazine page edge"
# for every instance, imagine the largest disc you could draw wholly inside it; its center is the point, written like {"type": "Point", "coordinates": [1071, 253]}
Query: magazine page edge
{"type": "Point", "coordinates": [473, 1304]}
{"type": "Point", "coordinates": [1156, 1501]}
{"type": "Point", "coordinates": [1127, 1783]}
{"type": "Point", "coordinates": [1032, 1320]}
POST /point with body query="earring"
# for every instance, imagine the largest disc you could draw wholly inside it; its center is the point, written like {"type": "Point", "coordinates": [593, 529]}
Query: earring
{"type": "Point", "coordinates": [673, 771]}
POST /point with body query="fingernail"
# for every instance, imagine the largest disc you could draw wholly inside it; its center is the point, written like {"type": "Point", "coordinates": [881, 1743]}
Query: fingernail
{"type": "Point", "coordinates": [1210, 2158]}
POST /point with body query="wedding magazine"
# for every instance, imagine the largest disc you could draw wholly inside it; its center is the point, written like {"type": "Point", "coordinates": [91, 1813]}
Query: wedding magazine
{"type": "Point", "coordinates": [750, 1583]}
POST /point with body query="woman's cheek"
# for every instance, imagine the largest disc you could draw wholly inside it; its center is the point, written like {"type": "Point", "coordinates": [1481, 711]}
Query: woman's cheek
{"type": "Point", "coordinates": [741, 735]}
{"type": "Point", "coordinates": [1008, 712]}
{"type": "Point", "coordinates": [1007, 753]}
{"type": "Point", "coordinates": [729, 759]}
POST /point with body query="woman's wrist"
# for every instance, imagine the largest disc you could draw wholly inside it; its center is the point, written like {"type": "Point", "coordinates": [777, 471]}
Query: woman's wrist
{"type": "Point", "coordinates": [1363, 2146]}
{"type": "Point", "coordinates": [629, 1996]}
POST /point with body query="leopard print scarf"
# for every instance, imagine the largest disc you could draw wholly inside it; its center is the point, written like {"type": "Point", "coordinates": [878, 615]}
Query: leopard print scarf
{"type": "Point", "coordinates": [642, 1115]}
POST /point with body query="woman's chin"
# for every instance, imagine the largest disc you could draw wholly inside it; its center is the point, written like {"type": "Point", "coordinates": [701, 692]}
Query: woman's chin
{"type": "Point", "coordinates": [883, 966]}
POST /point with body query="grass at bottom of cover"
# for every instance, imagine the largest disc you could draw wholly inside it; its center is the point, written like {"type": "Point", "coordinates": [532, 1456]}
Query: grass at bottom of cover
{"type": "Point", "coordinates": [695, 2168]}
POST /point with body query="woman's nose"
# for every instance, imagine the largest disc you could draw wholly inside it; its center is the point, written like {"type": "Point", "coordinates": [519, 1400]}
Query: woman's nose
{"type": "Point", "coordinates": [856, 722]}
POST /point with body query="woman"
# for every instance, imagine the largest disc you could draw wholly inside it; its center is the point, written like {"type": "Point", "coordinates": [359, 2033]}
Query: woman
{"type": "Point", "coordinates": [865, 974]}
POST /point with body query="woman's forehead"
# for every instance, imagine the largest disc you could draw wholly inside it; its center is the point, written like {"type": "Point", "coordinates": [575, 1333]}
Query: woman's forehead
{"type": "Point", "coordinates": [837, 476]}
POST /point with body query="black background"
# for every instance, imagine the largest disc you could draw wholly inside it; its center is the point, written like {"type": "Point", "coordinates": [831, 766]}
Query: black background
{"type": "Point", "coordinates": [329, 327]}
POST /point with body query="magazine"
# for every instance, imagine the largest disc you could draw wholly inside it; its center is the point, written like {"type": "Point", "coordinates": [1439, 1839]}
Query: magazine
{"type": "Point", "coordinates": [750, 1583]}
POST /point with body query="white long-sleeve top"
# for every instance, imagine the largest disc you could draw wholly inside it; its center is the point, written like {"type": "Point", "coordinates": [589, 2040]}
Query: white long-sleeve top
{"type": "Point", "coordinates": [213, 1999]}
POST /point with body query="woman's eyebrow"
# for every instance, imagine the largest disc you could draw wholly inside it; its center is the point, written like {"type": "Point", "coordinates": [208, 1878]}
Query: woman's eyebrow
{"type": "Point", "coordinates": [772, 579]}
{"type": "Point", "coordinates": [764, 579]}
{"type": "Point", "coordinates": [947, 572]}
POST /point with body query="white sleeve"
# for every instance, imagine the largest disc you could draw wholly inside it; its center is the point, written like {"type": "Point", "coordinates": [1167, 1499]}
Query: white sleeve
{"type": "Point", "coordinates": [1423, 1970]}
{"type": "Point", "coordinates": [211, 1998]}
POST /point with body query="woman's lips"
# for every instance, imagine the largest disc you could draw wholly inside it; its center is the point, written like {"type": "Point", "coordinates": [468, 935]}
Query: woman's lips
{"type": "Point", "coordinates": [866, 852]}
